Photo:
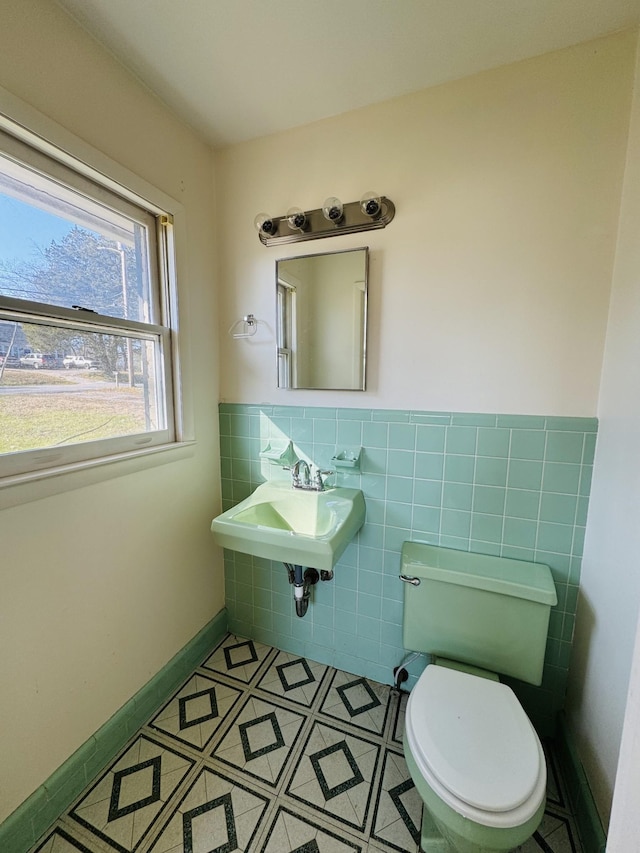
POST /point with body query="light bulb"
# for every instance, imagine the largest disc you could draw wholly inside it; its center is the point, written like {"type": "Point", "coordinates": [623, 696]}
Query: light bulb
{"type": "Point", "coordinates": [332, 209]}
{"type": "Point", "coordinates": [296, 218]}
{"type": "Point", "coordinates": [265, 224]}
{"type": "Point", "coordinates": [370, 204]}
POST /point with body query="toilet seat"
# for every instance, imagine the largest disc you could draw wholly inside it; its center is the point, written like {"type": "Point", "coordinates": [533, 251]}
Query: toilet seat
{"type": "Point", "coordinates": [475, 747]}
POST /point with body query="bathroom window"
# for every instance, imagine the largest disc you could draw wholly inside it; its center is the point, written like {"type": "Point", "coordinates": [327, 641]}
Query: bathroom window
{"type": "Point", "coordinates": [86, 314]}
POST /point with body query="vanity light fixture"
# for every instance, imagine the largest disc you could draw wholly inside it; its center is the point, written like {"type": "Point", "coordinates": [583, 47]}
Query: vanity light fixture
{"type": "Point", "coordinates": [333, 209]}
{"type": "Point", "coordinates": [265, 224]}
{"type": "Point", "coordinates": [330, 220]}
{"type": "Point", "coordinates": [296, 219]}
{"type": "Point", "coordinates": [370, 204]}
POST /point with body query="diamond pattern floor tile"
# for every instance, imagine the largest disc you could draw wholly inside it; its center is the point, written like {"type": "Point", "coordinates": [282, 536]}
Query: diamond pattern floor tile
{"type": "Point", "coordinates": [238, 658]}
{"type": "Point", "coordinates": [263, 751]}
{"type": "Point", "coordinates": [216, 813]}
{"type": "Point", "coordinates": [335, 774]}
{"type": "Point", "coordinates": [398, 811]}
{"type": "Point", "coordinates": [294, 833]}
{"type": "Point", "coordinates": [195, 713]}
{"type": "Point", "coordinates": [123, 805]}
{"type": "Point", "coordinates": [356, 700]}
{"type": "Point", "coordinates": [260, 740]}
{"type": "Point", "coordinates": [294, 678]}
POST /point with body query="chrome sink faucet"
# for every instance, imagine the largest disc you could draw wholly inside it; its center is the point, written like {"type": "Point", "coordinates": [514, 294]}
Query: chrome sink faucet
{"type": "Point", "coordinates": [301, 477]}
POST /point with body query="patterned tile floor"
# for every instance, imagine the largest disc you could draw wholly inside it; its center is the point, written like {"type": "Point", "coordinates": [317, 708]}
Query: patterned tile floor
{"type": "Point", "coordinates": [263, 751]}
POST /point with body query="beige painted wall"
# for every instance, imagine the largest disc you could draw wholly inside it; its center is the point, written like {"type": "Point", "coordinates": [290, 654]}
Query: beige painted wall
{"type": "Point", "coordinates": [494, 276]}
{"type": "Point", "coordinates": [102, 585]}
{"type": "Point", "coordinates": [610, 584]}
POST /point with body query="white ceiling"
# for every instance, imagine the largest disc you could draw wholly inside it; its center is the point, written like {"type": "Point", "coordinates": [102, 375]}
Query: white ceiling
{"type": "Point", "coordinates": [239, 69]}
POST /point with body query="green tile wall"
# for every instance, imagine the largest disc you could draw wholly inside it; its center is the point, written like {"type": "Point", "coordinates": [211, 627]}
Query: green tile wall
{"type": "Point", "coordinates": [515, 486]}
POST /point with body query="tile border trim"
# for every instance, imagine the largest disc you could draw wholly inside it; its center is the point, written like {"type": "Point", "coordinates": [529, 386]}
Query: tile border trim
{"type": "Point", "coordinates": [581, 801]}
{"type": "Point", "coordinates": [34, 816]}
{"type": "Point", "coordinates": [415, 416]}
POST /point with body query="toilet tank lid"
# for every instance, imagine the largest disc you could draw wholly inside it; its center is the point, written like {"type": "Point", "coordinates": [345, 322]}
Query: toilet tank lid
{"type": "Point", "coordinates": [517, 578]}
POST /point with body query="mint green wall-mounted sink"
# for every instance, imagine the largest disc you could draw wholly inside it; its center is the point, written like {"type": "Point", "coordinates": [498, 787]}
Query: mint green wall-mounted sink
{"type": "Point", "coordinates": [281, 523]}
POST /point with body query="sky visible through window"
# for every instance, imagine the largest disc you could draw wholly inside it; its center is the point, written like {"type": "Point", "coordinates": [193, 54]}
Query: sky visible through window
{"type": "Point", "coordinates": [24, 229]}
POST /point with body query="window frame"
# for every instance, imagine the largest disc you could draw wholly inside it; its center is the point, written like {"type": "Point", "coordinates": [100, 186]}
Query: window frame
{"type": "Point", "coordinates": [105, 180]}
{"type": "Point", "coordinates": [286, 331]}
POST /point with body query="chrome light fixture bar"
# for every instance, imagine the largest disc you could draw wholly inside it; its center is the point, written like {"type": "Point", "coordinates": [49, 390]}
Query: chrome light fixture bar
{"type": "Point", "coordinates": [332, 219]}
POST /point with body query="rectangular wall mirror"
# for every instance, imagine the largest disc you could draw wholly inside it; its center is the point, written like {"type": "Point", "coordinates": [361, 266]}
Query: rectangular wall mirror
{"type": "Point", "coordinates": [321, 319]}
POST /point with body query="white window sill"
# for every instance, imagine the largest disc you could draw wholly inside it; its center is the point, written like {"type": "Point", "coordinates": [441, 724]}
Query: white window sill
{"type": "Point", "coordinates": [24, 488]}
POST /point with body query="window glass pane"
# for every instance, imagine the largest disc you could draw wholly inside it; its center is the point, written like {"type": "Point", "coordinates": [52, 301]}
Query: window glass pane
{"type": "Point", "coordinates": [61, 386]}
{"type": "Point", "coordinates": [62, 247]}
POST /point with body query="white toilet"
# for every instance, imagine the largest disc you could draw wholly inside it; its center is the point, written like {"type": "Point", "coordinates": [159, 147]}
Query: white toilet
{"type": "Point", "coordinates": [472, 752]}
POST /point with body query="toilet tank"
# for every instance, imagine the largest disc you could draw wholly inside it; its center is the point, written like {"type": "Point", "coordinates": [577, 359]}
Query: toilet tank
{"type": "Point", "coordinates": [489, 612]}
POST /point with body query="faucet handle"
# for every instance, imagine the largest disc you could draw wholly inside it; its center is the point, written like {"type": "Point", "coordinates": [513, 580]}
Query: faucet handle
{"type": "Point", "coordinates": [318, 475]}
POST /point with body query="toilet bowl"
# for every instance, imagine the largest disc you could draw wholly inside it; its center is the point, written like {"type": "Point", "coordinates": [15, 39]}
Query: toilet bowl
{"type": "Point", "coordinates": [474, 757]}
{"type": "Point", "coordinates": [475, 760]}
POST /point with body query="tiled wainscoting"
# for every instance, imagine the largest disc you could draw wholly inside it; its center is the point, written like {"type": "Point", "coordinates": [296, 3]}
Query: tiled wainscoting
{"type": "Point", "coordinates": [515, 486]}
{"type": "Point", "coordinates": [263, 751]}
